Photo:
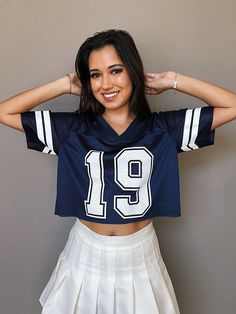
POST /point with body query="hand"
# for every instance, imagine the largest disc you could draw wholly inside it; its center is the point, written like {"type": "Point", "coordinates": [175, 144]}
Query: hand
{"type": "Point", "coordinates": [157, 83]}
{"type": "Point", "coordinates": [74, 84]}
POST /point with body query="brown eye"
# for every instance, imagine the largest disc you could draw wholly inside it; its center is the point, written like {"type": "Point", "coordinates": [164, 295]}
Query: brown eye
{"type": "Point", "coordinates": [94, 75]}
{"type": "Point", "coordinates": [116, 71]}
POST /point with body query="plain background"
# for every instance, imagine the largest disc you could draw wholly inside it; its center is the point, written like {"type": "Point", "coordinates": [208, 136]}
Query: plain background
{"type": "Point", "coordinates": [39, 41]}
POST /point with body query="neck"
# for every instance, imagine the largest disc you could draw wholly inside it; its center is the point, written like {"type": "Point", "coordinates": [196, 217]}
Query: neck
{"type": "Point", "coordinates": [121, 116]}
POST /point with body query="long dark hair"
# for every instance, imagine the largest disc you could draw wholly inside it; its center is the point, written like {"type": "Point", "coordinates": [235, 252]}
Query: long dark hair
{"type": "Point", "coordinates": [127, 51]}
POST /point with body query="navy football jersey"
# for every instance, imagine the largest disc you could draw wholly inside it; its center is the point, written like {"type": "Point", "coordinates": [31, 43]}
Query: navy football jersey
{"type": "Point", "coordinates": [109, 178]}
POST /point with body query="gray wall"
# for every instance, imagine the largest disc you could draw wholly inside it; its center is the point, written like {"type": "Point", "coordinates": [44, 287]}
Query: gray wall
{"type": "Point", "coordinates": [39, 41]}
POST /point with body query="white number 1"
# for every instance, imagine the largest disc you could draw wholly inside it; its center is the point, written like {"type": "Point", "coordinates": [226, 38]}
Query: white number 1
{"type": "Point", "coordinates": [132, 172]}
{"type": "Point", "coordinates": [95, 205]}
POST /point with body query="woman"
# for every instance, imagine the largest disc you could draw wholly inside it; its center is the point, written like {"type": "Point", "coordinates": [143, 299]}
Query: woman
{"type": "Point", "coordinates": [117, 170]}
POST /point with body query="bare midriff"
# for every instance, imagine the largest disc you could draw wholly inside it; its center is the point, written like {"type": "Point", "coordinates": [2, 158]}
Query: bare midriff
{"type": "Point", "coordinates": [116, 229]}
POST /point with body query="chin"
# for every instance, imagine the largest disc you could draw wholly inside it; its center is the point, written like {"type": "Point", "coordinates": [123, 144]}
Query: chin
{"type": "Point", "coordinates": [113, 107]}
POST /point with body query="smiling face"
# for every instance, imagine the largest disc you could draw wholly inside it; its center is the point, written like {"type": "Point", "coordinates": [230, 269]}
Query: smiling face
{"type": "Point", "coordinates": [109, 78]}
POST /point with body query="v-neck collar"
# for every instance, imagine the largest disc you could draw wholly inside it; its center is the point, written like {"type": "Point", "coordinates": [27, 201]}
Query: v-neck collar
{"type": "Point", "coordinates": [111, 132]}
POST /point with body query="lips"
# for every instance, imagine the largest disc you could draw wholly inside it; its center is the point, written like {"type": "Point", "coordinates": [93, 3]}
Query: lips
{"type": "Point", "coordinates": [110, 96]}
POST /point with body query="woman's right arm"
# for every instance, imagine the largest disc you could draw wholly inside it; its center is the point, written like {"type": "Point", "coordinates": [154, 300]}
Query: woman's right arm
{"type": "Point", "coordinates": [11, 109]}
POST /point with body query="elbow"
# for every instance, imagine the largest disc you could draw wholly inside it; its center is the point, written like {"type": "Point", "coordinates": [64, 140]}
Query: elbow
{"type": "Point", "coordinates": [1, 116]}
{"type": "Point", "coordinates": [12, 121]}
{"type": "Point", "coordinates": [2, 113]}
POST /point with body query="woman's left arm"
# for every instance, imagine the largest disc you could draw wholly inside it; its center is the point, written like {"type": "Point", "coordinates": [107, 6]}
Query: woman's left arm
{"type": "Point", "coordinates": [224, 101]}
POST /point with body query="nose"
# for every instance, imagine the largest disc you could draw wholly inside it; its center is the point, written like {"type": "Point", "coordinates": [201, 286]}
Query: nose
{"type": "Point", "coordinates": [107, 82]}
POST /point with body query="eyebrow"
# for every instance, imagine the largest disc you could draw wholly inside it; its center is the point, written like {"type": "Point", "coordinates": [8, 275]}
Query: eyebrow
{"type": "Point", "coordinates": [111, 66]}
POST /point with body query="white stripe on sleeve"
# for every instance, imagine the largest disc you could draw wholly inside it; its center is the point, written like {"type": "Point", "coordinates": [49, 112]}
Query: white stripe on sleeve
{"type": "Point", "coordinates": [39, 126]}
{"type": "Point", "coordinates": [187, 125]}
{"type": "Point", "coordinates": [48, 131]}
{"type": "Point", "coordinates": [44, 131]}
{"type": "Point", "coordinates": [46, 150]}
{"type": "Point", "coordinates": [195, 127]}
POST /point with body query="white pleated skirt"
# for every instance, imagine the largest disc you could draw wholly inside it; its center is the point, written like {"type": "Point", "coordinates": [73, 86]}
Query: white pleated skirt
{"type": "Point", "coordinates": [99, 274]}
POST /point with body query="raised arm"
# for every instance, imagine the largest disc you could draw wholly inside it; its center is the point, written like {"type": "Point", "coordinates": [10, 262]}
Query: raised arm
{"type": "Point", "coordinates": [11, 109]}
{"type": "Point", "coordinates": [223, 100]}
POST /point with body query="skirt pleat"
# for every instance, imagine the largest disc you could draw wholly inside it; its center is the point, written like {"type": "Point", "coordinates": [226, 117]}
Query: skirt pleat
{"type": "Point", "coordinates": [124, 290]}
{"type": "Point", "coordinates": [167, 290]}
{"type": "Point", "coordinates": [107, 285]}
{"type": "Point", "coordinates": [88, 296]}
{"type": "Point", "coordinates": [97, 274]}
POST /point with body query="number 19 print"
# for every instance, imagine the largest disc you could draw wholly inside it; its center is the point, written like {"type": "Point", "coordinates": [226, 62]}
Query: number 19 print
{"type": "Point", "coordinates": [132, 172]}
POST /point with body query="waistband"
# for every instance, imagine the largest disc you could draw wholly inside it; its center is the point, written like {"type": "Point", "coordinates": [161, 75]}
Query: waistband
{"type": "Point", "coordinates": [124, 240]}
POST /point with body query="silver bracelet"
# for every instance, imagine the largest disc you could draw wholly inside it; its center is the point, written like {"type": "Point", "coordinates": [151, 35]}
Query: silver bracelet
{"type": "Point", "coordinates": [175, 82]}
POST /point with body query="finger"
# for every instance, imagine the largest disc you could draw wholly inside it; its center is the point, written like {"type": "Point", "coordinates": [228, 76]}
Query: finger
{"type": "Point", "coordinates": [149, 90]}
{"type": "Point", "coordinates": [151, 75]}
{"type": "Point", "coordinates": [147, 85]}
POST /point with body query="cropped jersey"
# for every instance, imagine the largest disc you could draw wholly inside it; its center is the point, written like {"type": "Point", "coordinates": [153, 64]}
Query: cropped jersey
{"type": "Point", "coordinates": [115, 179]}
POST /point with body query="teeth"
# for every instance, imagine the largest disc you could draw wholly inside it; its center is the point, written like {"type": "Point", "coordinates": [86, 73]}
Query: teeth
{"type": "Point", "coordinates": [110, 95]}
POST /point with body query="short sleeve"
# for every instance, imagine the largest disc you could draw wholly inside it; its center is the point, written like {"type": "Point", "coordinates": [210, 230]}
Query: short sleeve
{"type": "Point", "coordinates": [189, 128]}
{"type": "Point", "coordinates": [47, 131]}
